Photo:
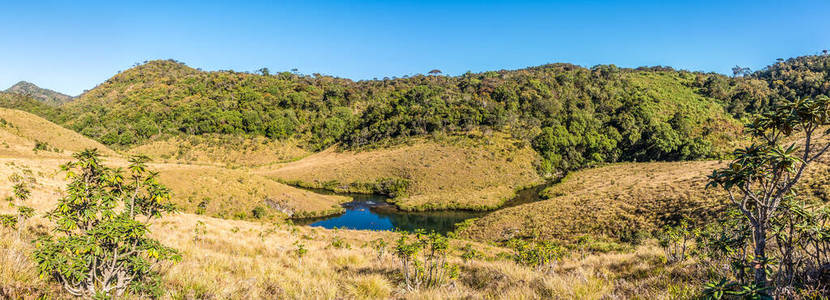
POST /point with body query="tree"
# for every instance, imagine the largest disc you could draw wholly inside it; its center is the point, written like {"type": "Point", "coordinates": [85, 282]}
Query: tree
{"type": "Point", "coordinates": [763, 175]}
{"type": "Point", "coordinates": [435, 72]}
{"type": "Point", "coordinates": [21, 193]}
{"type": "Point", "coordinates": [740, 71]}
{"type": "Point", "coordinates": [427, 254]}
{"type": "Point", "coordinates": [99, 246]}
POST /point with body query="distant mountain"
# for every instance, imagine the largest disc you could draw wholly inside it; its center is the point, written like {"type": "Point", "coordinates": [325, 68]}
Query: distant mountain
{"type": "Point", "coordinates": [44, 95]}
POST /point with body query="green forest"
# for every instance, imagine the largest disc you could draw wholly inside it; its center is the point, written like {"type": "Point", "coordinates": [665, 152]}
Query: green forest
{"type": "Point", "coordinates": [571, 115]}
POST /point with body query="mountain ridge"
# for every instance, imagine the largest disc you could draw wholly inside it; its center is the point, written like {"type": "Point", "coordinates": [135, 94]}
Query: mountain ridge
{"type": "Point", "coordinates": [41, 94]}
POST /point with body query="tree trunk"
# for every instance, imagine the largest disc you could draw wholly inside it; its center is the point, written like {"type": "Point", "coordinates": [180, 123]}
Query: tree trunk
{"type": "Point", "coordinates": [760, 267]}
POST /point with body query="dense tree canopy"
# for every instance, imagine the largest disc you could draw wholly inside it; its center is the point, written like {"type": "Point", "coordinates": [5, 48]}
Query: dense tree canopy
{"type": "Point", "coordinates": [573, 116]}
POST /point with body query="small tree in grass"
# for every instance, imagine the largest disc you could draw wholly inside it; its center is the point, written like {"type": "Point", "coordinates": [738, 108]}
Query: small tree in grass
{"type": "Point", "coordinates": [542, 255]}
{"type": "Point", "coordinates": [430, 269]}
{"type": "Point", "coordinates": [406, 252]}
{"type": "Point", "coordinates": [199, 231]}
{"type": "Point", "coordinates": [380, 248]}
{"type": "Point", "coordinates": [469, 253]}
{"type": "Point", "coordinates": [21, 193]}
{"type": "Point", "coordinates": [675, 241]}
{"type": "Point", "coordinates": [300, 251]}
{"type": "Point", "coordinates": [763, 175]}
{"type": "Point", "coordinates": [99, 245]}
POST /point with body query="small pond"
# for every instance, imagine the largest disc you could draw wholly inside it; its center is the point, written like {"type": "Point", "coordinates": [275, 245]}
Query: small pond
{"type": "Point", "coordinates": [372, 212]}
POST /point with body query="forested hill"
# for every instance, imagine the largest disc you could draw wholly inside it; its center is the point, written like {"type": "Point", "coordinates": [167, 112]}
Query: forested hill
{"type": "Point", "coordinates": [572, 116]}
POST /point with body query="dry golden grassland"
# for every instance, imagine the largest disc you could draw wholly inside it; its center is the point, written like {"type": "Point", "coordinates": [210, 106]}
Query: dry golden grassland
{"type": "Point", "coordinates": [231, 193]}
{"type": "Point", "coordinates": [224, 192]}
{"type": "Point", "coordinates": [619, 200]}
{"type": "Point", "coordinates": [19, 132]}
{"type": "Point", "coordinates": [247, 260]}
{"type": "Point", "coordinates": [253, 260]}
{"type": "Point", "coordinates": [225, 150]}
{"type": "Point", "coordinates": [470, 172]}
{"type": "Point", "coordinates": [614, 200]}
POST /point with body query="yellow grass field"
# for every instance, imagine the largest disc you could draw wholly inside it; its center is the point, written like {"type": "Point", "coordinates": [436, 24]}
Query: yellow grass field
{"type": "Point", "coordinates": [255, 260]}
{"type": "Point", "coordinates": [226, 192]}
{"type": "Point", "coordinates": [19, 132]}
{"type": "Point", "coordinates": [237, 259]}
{"type": "Point", "coordinates": [224, 150]}
{"type": "Point", "coordinates": [231, 193]}
{"type": "Point", "coordinates": [455, 173]}
{"type": "Point", "coordinates": [619, 200]}
{"type": "Point", "coordinates": [613, 200]}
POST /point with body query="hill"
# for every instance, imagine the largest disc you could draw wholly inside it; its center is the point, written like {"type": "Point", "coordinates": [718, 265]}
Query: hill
{"type": "Point", "coordinates": [39, 146]}
{"type": "Point", "coordinates": [607, 113]}
{"type": "Point", "coordinates": [625, 201]}
{"type": "Point", "coordinates": [226, 150]}
{"type": "Point", "coordinates": [46, 96]}
{"type": "Point", "coordinates": [25, 133]}
{"type": "Point", "coordinates": [235, 194]}
{"type": "Point", "coordinates": [560, 117]}
{"type": "Point", "coordinates": [475, 172]}
{"type": "Point", "coordinates": [618, 201]}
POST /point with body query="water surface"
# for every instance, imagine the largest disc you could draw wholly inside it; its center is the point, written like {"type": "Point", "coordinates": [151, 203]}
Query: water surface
{"type": "Point", "coordinates": [372, 212]}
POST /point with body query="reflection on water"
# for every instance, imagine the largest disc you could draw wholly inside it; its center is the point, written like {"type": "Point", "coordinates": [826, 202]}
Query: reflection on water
{"type": "Point", "coordinates": [372, 212]}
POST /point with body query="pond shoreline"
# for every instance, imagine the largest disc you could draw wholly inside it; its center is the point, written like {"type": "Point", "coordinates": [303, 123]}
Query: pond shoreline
{"type": "Point", "coordinates": [520, 196]}
{"type": "Point", "coordinates": [377, 212]}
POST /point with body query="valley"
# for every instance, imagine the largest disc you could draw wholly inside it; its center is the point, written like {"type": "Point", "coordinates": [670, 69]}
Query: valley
{"type": "Point", "coordinates": [556, 181]}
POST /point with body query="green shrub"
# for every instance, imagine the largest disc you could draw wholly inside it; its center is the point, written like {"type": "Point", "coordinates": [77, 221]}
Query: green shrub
{"type": "Point", "coordinates": [99, 245]}
{"type": "Point", "coordinates": [259, 212]}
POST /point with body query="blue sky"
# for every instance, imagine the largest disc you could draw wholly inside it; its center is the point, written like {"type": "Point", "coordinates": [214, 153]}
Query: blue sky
{"type": "Point", "coordinates": [70, 46]}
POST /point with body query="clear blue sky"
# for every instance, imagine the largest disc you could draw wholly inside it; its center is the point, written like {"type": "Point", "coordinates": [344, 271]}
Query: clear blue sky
{"type": "Point", "coordinates": [70, 46]}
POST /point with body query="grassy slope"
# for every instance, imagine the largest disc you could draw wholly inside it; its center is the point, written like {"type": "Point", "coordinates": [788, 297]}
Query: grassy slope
{"type": "Point", "coordinates": [610, 201]}
{"type": "Point", "coordinates": [22, 129]}
{"type": "Point", "coordinates": [458, 172]}
{"type": "Point", "coordinates": [243, 260]}
{"type": "Point", "coordinates": [222, 150]}
{"type": "Point", "coordinates": [618, 199]}
{"type": "Point", "coordinates": [230, 192]}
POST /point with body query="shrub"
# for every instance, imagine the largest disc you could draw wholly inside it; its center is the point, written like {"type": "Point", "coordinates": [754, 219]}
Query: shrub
{"type": "Point", "coordinates": [199, 231]}
{"type": "Point", "coordinates": [339, 243]}
{"type": "Point", "coordinates": [541, 255]}
{"type": "Point", "coordinates": [429, 269]}
{"type": "Point", "coordinates": [41, 146]}
{"type": "Point", "coordinates": [20, 193]}
{"type": "Point", "coordinates": [99, 247]}
{"type": "Point", "coordinates": [469, 253]}
{"type": "Point", "coordinates": [380, 247]}
{"type": "Point", "coordinates": [300, 251]}
{"type": "Point", "coordinates": [259, 212]}
{"type": "Point", "coordinates": [675, 241]}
